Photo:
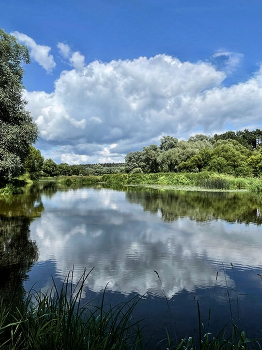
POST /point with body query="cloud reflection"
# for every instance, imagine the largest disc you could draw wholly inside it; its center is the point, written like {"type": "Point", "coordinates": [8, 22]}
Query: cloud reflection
{"type": "Point", "coordinates": [99, 228]}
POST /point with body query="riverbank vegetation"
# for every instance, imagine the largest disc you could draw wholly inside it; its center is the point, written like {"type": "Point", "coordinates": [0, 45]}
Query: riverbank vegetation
{"type": "Point", "coordinates": [58, 320]}
{"type": "Point", "coordinates": [204, 180]}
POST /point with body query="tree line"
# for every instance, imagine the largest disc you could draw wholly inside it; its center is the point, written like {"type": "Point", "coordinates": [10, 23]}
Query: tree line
{"type": "Point", "coordinates": [236, 153]}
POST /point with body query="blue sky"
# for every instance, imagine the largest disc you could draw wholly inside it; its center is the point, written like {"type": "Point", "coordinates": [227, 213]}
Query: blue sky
{"type": "Point", "coordinates": [108, 77]}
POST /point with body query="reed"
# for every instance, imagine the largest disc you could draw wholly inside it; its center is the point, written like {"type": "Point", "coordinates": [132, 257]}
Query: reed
{"type": "Point", "coordinates": [57, 320]}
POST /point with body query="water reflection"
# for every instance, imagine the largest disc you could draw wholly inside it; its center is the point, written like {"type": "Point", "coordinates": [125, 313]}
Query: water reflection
{"type": "Point", "coordinates": [200, 206]}
{"type": "Point", "coordinates": [125, 244]}
{"type": "Point", "coordinates": [126, 236]}
{"type": "Point", "coordinates": [18, 252]}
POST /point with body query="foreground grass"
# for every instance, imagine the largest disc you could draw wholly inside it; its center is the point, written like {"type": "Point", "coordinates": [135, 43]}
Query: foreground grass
{"type": "Point", "coordinates": [57, 320]}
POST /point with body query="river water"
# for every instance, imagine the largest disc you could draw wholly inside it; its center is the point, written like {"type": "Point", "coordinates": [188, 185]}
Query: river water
{"type": "Point", "coordinates": [173, 248]}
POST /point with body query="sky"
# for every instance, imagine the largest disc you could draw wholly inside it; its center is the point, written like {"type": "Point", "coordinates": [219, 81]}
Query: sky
{"type": "Point", "coordinates": [108, 77]}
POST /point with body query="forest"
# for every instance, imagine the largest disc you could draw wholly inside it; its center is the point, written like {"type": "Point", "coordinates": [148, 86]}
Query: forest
{"type": "Point", "coordinates": [234, 153]}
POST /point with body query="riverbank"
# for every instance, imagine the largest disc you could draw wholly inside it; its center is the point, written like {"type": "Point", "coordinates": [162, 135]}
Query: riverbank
{"type": "Point", "coordinates": [186, 181]}
{"type": "Point", "coordinates": [204, 181]}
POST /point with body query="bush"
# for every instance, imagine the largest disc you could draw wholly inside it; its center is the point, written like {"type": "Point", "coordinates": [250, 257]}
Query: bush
{"type": "Point", "coordinates": [136, 171]}
{"type": "Point", "coordinates": [256, 186]}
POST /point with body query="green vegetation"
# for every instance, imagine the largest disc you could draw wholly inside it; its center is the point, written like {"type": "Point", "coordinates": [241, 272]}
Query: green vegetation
{"type": "Point", "coordinates": [232, 156]}
{"type": "Point", "coordinates": [79, 180]}
{"type": "Point", "coordinates": [57, 320]}
{"type": "Point", "coordinates": [205, 180]}
{"type": "Point", "coordinates": [17, 130]}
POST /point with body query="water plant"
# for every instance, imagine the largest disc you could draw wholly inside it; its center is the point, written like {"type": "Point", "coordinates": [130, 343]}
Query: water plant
{"type": "Point", "coordinates": [58, 320]}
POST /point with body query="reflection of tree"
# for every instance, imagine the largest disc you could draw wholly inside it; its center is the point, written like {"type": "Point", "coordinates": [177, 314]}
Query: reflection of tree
{"type": "Point", "coordinates": [28, 204]}
{"type": "Point", "coordinates": [200, 206]}
{"type": "Point", "coordinates": [17, 251]}
{"type": "Point", "coordinates": [48, 188]}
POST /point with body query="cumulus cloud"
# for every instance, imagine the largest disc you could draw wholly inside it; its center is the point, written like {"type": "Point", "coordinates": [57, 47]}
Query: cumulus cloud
{"type": "Point", "coordinates": [131, 103]}
{"type": "Point", "coordinates": [39, 53]}
{"type": "Point", "coordinates": [77, 60]}
{"type": "Point", "coordinates": [64, 49]}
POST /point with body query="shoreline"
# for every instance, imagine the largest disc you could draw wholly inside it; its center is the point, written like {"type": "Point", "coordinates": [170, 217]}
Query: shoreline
{"type": "Point", "coordinates": [184, 188]}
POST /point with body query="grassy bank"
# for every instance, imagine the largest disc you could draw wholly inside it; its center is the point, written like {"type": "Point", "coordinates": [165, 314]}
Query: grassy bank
{"type": "Point", "coordinates": [203, 180]}
{"type": "Point", "coordinates": [56, 320]}
{"type": "Point", "coordinates": [74, 180]}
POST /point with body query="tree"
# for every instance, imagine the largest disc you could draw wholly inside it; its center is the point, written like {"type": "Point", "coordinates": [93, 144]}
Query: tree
{"type": "Point", "coordinates": [198, 162]}
{"type": "Point", "coordinates": [64, 169]}
{"type": "Point", "coordinates": [17, 130]}
{"type": "Point", "coordinates": [33, 163]}
{"type": "Point", "coordinates": [235, 158]}
{"type": "Point", "coordinates": [50, 168]}
{"type": "Point", "coordinates": [149, 156]}
{"type": "Point", "coordinates": [168, 142]}
{"type": "Point", "coordinates": [134, 160]}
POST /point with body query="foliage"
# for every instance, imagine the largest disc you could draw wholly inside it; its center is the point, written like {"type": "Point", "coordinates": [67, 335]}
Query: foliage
{"type": "Point", "coordinates": [64, 169]}
{"type": "Point", "coordinates": [230, 157]}
{"type": "Point", "coordinates": [17, 131]}
{"type": "Point", "coordinates": [246, 138]}
{"type": "Point", "coordinates": [136, 171]}
{"type": "Point", "coordinates": [168, 142]}
{"type": "Point", "coordinates": [79, 180]}
{"type": "Point", "coordinates": [56, 320]}
{"type": "Point", "coordinates": [33, 163]}
{"type": "Point", "coordinates": [237, 154]}
{"type": "Point", "coordinates": [50, 168]}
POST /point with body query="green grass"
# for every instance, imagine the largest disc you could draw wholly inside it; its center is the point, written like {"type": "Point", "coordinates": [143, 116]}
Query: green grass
{"type": "Point", "coordinates": [204, 180]}
{"type": "Point", "coordinates": [77, 180]}
{"type": "Point", "coordinates": [57, 320]}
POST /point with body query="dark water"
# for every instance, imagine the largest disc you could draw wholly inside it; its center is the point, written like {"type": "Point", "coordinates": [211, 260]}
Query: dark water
{"type": "Point", "coordinates": [173, 248]}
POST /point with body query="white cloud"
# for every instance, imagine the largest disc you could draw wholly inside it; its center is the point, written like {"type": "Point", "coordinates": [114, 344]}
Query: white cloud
{"type": "Point", "coordinates": [132, 103]}
{"type": "Point", "coordinates": [64, 49]}
{"type": "Point", "coordinates": [72, 158]}
{"type": "Point", "coordinates": [39, 53]}
{"type": "Point", "coordinates": [77, 60]}
{"type": "Point", "coordinates": [228, 61]}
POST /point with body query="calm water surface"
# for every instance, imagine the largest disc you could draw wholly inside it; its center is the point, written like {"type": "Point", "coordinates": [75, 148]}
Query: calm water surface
{"type": "Point", "coordinates": [205, 247]}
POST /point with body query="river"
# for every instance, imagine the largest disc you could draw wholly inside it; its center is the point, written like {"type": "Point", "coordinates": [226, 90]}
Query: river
{"type": "Point", "coordinates": [173, 248]}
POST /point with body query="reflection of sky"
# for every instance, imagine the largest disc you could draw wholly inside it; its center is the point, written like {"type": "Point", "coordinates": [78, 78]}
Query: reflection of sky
{"type": "Point", "coordinates": [100, 229]}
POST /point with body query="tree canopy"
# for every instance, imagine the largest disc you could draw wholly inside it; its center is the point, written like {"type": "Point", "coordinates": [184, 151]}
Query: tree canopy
{"type": "Point", "coordinates": [17, 130]}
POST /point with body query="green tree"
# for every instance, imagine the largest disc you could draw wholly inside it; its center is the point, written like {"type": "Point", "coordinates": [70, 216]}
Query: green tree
{"type": "Point", "coordinates": [33, 163]}
{"type": "Point", "coordinates": [17, 130]}
{"type": "Point", "coordinates": [168, 142]}
{"type": "Point", "coordinates": [134, 160]}
{"type": "Point", "coordinates": [255, 162]}
{"type": "Point", "coordinates": [198, 162]}
{"type": "Point", "coordinates": [50, 168]}
{"type": "Point", "coordinates": [235, 158]}
{"type": "Point", "coordinates": [64, 169]}
{"type": "Point", "coordinates": [150, 159]}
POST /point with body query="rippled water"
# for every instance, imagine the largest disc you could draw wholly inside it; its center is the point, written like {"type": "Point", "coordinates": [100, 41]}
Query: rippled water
{"type": "Point", "coordinates": [172, 248]}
